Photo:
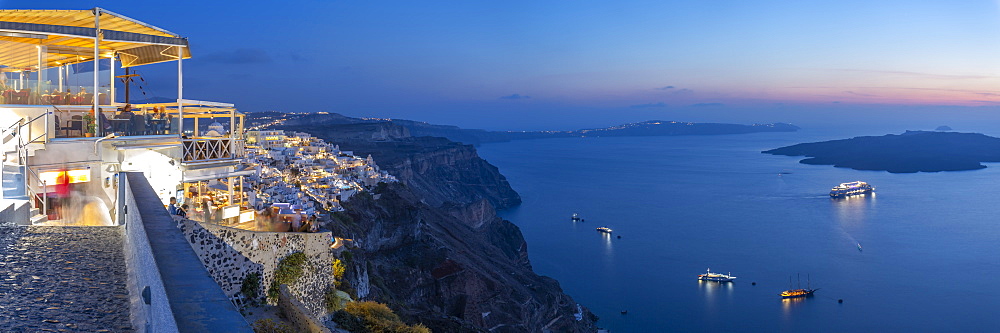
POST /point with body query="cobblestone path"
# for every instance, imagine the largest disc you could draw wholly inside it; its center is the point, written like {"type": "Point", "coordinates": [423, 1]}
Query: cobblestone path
{"type": "Point", "coordinates": [62, 279]}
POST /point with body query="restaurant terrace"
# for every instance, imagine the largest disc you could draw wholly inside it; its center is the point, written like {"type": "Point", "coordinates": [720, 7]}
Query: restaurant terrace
{"type": "Point", "coordinates": [66, 109]}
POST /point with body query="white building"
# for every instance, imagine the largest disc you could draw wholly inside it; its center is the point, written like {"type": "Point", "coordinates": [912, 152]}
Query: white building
{"type": "Point", "coordinates": [62, 137]}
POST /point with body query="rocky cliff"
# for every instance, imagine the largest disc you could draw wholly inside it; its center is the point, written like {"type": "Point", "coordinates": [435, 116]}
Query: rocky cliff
{"type": "Point", "coordinates": [432, 246]}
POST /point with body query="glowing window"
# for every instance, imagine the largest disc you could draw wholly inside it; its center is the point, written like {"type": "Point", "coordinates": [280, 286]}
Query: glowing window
{"type": "Point", "coordinates": [62, 177]}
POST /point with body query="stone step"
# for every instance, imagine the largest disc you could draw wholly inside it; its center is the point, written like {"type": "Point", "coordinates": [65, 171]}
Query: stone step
{"type": "Point", "coordinates": [33, 147]}
{"type": "Point", "coordinates": [8, 136]}
{"type": "Point", "coordinates": [38, 219]}
{"type": "Point", "coordinates": [13, 182]}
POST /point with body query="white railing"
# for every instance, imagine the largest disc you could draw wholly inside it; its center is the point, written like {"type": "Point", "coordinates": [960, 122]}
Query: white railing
{"type": "Point", "coordinates": [17, 131]}
{"type": "Point", "coordinates": [208, 149]}
{"type": "Point", "coordinates": [34, 196]}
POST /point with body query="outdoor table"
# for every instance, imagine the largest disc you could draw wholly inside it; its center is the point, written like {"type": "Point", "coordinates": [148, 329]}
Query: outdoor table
{"type": "Point", "coordinates": [159, 126]}
{"type": "Point", "coordinates": [120, 126]}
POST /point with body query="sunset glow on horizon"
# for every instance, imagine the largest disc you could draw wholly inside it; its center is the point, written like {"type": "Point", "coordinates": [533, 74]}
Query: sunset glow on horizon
{"type": "Point", "coordinates": [460, 62]}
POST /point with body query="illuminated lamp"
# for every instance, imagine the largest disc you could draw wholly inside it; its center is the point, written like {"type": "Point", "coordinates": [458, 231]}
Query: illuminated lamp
{"type": "Point", "coordinates": [64, 177]}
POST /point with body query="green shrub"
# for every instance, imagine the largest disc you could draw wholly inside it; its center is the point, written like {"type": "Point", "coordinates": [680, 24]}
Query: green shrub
{"type": "Point", "coordinates": [335, 300]}
{"type": "Point", "coordinates": [338, 269]}
{"type": "Point", "coordinates": [381, 187]}
{"type": "Point", "coordinates": [347, 256]}
{"type": "Point", "coordinates": [372, 317]}
{"type": "Point", "coordinates": [343, 218]}
{"type": "Point", "coordinates": [289, 270]}
{"type": "Point", "coordinates": [270, 326]}
{"type": "Point", "coordinates": [250, 287]}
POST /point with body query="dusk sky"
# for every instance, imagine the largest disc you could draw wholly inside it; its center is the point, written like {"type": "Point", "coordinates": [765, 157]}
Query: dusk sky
{"type": "Point", "coordinates": [563, 65]}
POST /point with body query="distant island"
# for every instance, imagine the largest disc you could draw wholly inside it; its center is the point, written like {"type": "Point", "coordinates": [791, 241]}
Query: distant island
{"type": "Point", "coordinates": [478, 136]}
{"type": "Point", "coordinates": [912, 151]}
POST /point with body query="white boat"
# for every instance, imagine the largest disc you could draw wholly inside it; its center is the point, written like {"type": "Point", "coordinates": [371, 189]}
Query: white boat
{"type": "Point", "coordinates": [851, 189]}
{"type": "Point", "coordinates": [716, 277]}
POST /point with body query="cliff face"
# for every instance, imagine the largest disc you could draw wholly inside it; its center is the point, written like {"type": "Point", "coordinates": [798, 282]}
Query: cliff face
{"type": "Point", "coordinates": [432, 246]}
{"type": "Point", "coordinates": [453, 270]}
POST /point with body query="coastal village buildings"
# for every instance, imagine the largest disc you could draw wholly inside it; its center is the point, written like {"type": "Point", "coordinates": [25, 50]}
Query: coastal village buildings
{"type": "Point", "coordinates": [306, 171]}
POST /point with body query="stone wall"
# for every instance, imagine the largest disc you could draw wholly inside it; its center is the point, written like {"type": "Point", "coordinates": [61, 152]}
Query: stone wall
{"type": "Point", "coordinates": [231, 254]}
{"type": "Point", "coordinates": [296, 313]}
{"type": "Point", "coordinates": [142, 271]}
{"type": "Point", "coordinates": [188, 291]}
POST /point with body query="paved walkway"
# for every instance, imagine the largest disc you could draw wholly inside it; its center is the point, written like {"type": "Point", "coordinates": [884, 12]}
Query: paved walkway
{"type": "Point", "coordinates": [62, 279]}
{"type": "Point", "coordinates": [197, 301]}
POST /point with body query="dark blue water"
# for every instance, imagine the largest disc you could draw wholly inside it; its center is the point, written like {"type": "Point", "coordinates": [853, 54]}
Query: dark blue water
{"type": "Point", "coordinates": [931, 258]}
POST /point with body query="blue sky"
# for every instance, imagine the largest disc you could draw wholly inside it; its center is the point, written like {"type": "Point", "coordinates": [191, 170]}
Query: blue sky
{"type": "Point", "coordinates": [567, 64]}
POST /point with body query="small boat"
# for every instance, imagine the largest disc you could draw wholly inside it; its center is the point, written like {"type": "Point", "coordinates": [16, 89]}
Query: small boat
{"type": "Point", "coordinates": [859, 247]}
{"type": "Point", "coordinates": [604, 230]}
{"type": "Point", "coordinates": [797, 293]}
{"type": "Point", "coordinates": [576, 217]}
{"type": "Point", "coordinates": [851, 189]}
{"type": "Point", "coordinates": [716, 277]}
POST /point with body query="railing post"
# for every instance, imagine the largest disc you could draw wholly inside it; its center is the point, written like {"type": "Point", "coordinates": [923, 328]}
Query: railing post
{"type": "Point", "coordinates": [45, 197]}
{"type": "Point", "coordinates": [48, 114]}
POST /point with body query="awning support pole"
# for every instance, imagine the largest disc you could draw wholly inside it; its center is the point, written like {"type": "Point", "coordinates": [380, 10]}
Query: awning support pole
{"type": "Point", "coordinates": [97, 66]}
{"type": "Point", "coordinates": [111, 79]}
{"type": "Point", "coordinates": [180, 89]}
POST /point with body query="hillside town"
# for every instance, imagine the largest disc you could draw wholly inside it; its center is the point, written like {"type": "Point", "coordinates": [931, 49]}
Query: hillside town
{"type": "Point", "coordinates": [297, 171]}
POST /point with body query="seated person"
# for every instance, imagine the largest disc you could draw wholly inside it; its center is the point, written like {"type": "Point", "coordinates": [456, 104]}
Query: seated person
{"type": "Point", "coordinates": [125, 112]}
{"type": "Point", "coordinates": [182, 211]}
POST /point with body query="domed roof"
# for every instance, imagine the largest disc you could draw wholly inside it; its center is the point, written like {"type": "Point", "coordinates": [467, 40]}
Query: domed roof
{"type": "Point", "coordinates": [216, 129]}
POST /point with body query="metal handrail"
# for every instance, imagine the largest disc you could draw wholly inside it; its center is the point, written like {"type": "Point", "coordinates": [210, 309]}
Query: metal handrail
{"type": "Point", "coordinates": [45, 190]}
{"type": "Point", "coordinates": [11, 127]}
{"type": "Point", "coordinates": [44, 133]}
{"type": "Point", "coordinates": [22, 155]}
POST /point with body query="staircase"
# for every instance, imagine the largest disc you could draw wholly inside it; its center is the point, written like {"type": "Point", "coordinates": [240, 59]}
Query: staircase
{"type": "Point", "coordinates": [17, 204]}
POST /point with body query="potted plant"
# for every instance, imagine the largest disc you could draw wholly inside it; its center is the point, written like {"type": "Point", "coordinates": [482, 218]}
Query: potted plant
{"type": "Point", "coordinates": [88, 120]}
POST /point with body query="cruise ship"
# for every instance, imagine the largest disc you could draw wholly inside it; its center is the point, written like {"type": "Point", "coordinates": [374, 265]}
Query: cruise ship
{"type": "Point", "coordinates": [604, 230]}
{"type": "Point", "coordinates": [851, 189]}
{"type": "Point", "coordinates": [715, 277]}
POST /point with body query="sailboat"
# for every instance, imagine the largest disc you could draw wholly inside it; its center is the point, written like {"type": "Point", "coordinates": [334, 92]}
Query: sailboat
{"type": "Point", "coordinates": [796, 293]}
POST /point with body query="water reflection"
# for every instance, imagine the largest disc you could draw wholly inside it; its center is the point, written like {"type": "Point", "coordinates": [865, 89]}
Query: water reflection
{"type": "Point", "coordinates": [609, 250]}
{"type": "Point", "coordinates": [787, 304]}
{"type": "Point", "coordinates": [709, 287]}
{"type": "Point", "coordinates": [711, 291]}
{"type": "Point", "coordinates": [851, 213]}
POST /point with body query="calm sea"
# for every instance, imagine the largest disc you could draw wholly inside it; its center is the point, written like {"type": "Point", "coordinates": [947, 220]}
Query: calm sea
{"type": "Point", "coordinates": [931, 241]}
